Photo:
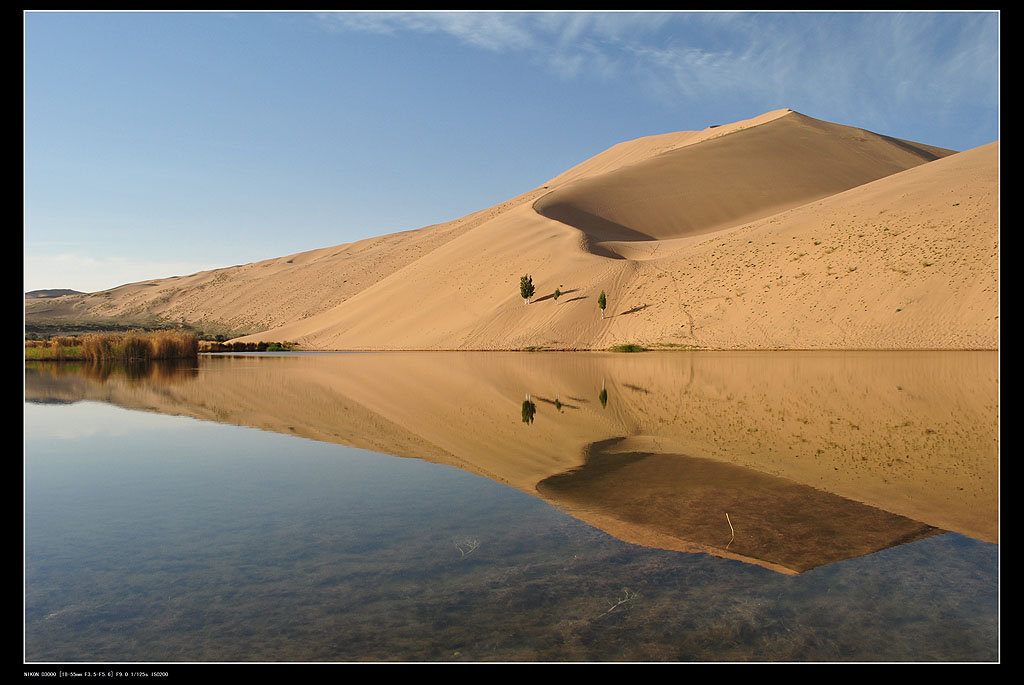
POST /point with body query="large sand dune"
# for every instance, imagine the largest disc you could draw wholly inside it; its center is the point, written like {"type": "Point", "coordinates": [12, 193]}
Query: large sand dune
{"type": "Point", "coordinates": [720, 182]}
{"type": "Point", "coordinates": [776, 232]}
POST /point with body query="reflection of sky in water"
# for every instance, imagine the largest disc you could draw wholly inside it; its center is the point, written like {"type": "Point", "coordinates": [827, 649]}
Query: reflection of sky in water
{"type": "Point", "coordinates": [112, 458]}
{"type": "Point", "coordinates": [84, 419]}
{"type": "Point", "coordinates": [155, 537]}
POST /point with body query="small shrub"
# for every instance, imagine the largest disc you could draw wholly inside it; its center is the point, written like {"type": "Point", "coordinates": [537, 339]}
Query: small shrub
{"type": "Point", "coordinates": [631, 347]}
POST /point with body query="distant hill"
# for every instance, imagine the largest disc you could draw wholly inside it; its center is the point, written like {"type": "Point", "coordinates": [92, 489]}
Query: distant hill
{"type": "Point", "coordinates": [57, 292]}
{"type": "Point", "coordinates": [777, 232]}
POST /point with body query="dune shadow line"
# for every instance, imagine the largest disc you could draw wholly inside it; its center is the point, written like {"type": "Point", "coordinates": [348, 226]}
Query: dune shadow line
{"type": "Point", "coordinates": [595, 228]}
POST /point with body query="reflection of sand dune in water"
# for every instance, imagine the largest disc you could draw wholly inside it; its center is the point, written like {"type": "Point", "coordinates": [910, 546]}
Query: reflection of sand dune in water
{"type": "Point", "coordinates": [691, 504]}
{"type": "Point", "coordinates": [905, 435]}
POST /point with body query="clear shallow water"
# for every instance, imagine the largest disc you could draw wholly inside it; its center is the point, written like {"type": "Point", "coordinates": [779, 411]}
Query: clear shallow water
{"type": "Point", "coordinates": [151, 537]}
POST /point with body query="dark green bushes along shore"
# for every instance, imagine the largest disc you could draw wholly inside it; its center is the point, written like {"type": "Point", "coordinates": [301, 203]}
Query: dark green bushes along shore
{"type": "Point", "coordinates": [238, 346]}
{"type": "Point", "coordinates": [631, 347]}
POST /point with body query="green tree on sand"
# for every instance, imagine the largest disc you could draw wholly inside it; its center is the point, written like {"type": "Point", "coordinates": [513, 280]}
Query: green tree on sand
{"type": "Point", "coordinates": [602, 302]}
{"type": "Point", "coordinates": [529, 409]}
{"type": "Point", "coordinates": [526, 288]}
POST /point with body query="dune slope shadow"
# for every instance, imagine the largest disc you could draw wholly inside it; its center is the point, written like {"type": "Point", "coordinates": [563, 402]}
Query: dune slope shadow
{"type": "Point", "coordinates": [594, 226]}
{"type": "Point", "coordinates": [595, 229]}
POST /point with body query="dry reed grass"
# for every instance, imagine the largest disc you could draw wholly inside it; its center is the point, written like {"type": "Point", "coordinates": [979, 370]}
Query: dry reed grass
{"type": "Point", "coordinates": [138, 345]}
{"type": "Point", "coordinates": [173, 345]}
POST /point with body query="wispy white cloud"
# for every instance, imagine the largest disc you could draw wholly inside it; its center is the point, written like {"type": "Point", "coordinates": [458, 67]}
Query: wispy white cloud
{"type": "Point", "coordinates": [569, 43]}
{"type": "Point", "coordinates": [848, 60]}
{"type": "Point", "coordinates": [490, 31]}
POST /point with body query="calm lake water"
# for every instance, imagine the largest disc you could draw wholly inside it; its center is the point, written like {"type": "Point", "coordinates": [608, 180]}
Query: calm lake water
{"type": "Point", "coordinates": [514, 507]}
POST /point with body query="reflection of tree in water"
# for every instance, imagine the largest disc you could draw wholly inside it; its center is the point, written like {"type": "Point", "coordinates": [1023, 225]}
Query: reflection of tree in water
{"type": "Point", "coordinates": [529, 409]}
{"type": "Point", "coordinates": [603, 395]}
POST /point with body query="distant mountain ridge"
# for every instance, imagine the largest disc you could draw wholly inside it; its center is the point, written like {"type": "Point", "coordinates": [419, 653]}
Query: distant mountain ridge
{"type": "Point", "coordinates": [56, 292]}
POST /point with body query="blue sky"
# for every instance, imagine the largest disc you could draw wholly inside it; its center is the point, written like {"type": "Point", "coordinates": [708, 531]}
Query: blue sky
{"type": "Point", "coordinates": [160, 144]}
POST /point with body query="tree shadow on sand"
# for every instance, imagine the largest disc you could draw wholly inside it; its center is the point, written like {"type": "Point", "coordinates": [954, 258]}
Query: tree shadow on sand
{"type": "Point", "coordinates": [634, 310]}
{"type": "Point", "coordinates": [552, 295]}
{"type": "Point", "coordinates": [557, 403]}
